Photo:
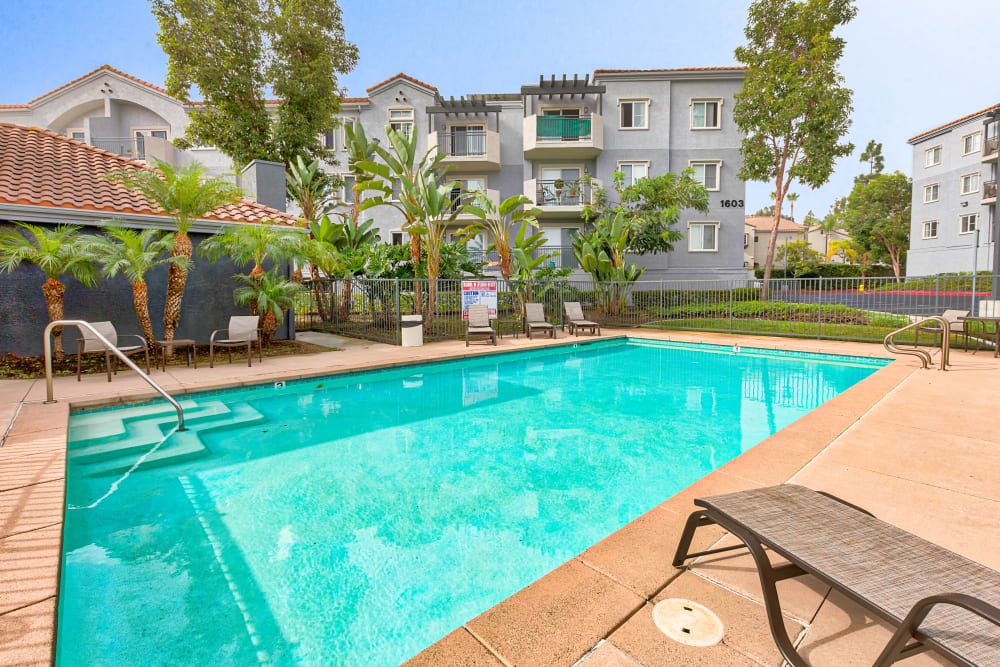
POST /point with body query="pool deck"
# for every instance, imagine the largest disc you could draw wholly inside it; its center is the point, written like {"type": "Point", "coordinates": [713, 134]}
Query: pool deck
{"type": "Point", "coordinates": [918, 448]}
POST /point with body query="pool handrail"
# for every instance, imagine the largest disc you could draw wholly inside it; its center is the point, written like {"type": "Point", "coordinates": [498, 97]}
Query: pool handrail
{"type": "Point", "coordinates": [49, 392]}
{"type": "Point", "coordinates": [925, 357]}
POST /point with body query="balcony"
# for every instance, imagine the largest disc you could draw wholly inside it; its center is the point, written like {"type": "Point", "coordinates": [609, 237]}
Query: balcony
{"type": "Point", "coordinates": [990, 148]}
{"type": "Point", "coordinates": [494, 196]}
{"type": "Point", "coordinates": [563, 137]}
{"type": "Point", "coordinates": [469, 151]}
{"type": "Point", "coordinates": [559, 257]}
{"type": "Point", "coordinates": [989, 192]}
{"type": "Point", "coordinates": [129, 147]}
{"type": "Point", "coordinates": [560, 199]}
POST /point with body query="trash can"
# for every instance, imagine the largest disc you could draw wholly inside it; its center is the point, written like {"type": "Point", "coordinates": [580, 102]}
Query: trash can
{"type": "Point", "coordinates": [412, 329]}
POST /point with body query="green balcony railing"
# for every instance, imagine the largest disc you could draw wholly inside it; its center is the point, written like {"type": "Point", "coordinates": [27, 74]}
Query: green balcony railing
{"type": "Point", "coordinates": [563, 128]}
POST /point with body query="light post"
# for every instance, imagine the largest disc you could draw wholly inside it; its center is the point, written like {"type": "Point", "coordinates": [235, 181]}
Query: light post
{"type": "Point", "coordinates": [992, 121]}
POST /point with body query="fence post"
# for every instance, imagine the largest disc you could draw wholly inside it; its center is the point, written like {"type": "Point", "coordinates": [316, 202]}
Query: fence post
{"type": "Point", "coordinates": [731, 301]}
{"type": "Point", "coordinates": [819, 309]}
{"type": "Point", "coordinates": [399, 314]}
{"type": "Point", "coordinates": [937, 294]}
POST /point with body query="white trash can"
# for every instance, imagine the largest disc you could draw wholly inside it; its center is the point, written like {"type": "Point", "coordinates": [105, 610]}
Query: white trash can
{"type": "Point", "coordinates": [412, 328]}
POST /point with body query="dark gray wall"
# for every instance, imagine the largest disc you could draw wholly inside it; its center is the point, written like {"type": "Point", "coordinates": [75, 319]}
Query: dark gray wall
{"type": "Point", "coordinates": [207, 304]}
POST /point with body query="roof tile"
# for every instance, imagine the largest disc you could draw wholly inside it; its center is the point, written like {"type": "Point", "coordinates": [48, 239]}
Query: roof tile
{"type": "Point", "coordinates": [954, 122]}
{"type": "Point", "coordinates": [763, 223]}
{"type": "Point", "coordinates": [402, 76]}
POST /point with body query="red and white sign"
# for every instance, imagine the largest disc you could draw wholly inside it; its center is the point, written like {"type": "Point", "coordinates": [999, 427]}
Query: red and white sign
{"type": "Point", "coordinates": [479, 292]}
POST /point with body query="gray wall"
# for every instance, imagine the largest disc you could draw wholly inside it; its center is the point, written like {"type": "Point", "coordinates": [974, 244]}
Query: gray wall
{"type": "Point", "coordinates": [951, 251]}
{"type": "Point", "coordinates": [207, 304]}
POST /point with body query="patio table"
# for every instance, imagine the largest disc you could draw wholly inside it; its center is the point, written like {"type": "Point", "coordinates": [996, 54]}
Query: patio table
{"type": "Point", "coordinates": [512, 323]}
{"type": "Point", "coordinates": [996, 329]}
{"type": "Point", "coordinates": [178, 344]}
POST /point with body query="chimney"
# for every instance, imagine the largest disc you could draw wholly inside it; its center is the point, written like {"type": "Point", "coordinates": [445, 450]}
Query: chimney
{"type": "Point", "coordinates": [264, 182]}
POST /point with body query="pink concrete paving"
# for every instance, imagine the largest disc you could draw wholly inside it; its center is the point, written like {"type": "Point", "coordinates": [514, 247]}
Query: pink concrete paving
{"type": "Point", "coordinates": [915, 447]}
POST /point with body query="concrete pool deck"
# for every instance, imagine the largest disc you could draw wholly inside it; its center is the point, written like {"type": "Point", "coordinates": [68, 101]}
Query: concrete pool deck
{"type": "Point", "coordinates": [917, 448]}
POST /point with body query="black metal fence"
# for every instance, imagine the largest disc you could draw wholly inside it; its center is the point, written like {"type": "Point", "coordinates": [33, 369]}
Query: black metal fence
{"type": "Point", "coordinates": [834, 308]}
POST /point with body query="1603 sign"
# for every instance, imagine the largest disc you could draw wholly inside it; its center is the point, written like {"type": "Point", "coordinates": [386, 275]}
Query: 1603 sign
{"type": "Point", "coordinates": [732, 203]}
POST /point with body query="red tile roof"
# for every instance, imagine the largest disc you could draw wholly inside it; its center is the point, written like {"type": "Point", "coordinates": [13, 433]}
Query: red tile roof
{"type": "Point", "coordinates": [41, 168]}
{"type": "Point", "coordinates": [954, 122]}
{"type": "Point", "coordinates": [763, 224]}
{"type": "Point", "coordinates": [107, 68]}
{"type": "Point", "coordinates": [680, 69]}
{"type": "Point", "coordinates": [402, 76]}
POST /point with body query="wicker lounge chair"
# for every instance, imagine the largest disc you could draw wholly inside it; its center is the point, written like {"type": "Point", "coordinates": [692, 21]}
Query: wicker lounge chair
{"type": "Point", "coordinates": [534, 320]}
{"type": "Point", "coordinates": [935, 598]}
{"type": "Point", "coordinates": [478, 324]}
{"type": "Point", "coordinates": [243, 331]}
{"type": "Point", "coordinates": [574, 315]}
{"type": "Point", "coordinates": [88, 344]}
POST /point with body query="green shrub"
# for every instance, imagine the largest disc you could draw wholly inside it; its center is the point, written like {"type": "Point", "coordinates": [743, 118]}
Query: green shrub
{"type": "Point", "coordinates": [649, 299]}
{"type": "Point", "coordinates": [832, 271]}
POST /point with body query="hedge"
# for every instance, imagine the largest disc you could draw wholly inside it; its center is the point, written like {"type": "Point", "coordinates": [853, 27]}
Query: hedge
{"type": "Point", "coordinates": [646, 299]}
{"type": "Point", "coordinates": [832, 271]}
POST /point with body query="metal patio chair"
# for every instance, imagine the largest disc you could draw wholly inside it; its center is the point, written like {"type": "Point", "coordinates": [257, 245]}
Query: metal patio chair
{"type": "Point", "coordinates": [936, 599]}
{"type": "Point", "coordinates": [243, 331]}
{"type": "Point", "coordinates": [478, 324]}
{"type": "Point", "coordinates": [88, 344]}
{"type": "Point", "coordinates": [534, 320]}
{"type": "Point", "coordinates": [574, 315]}
{"type": "Point", "coordinates": [955, 321]}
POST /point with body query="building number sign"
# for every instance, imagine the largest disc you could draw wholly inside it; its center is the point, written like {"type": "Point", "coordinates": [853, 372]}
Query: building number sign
{"type": "Point", "coordinates": [732, 203]}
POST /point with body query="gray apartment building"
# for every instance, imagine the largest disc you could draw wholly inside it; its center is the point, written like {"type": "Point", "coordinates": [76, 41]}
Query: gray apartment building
{"type": "Point", "coordinates": [556, 140]}
{"type": "Point", "coordinates": [954, 195]}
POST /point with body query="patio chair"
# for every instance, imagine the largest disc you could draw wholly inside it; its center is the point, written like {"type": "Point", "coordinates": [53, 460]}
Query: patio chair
{"type": "Point", "coordinates": [534, 319]}
{"type": "Point", "coordinates": [243, 331]}
{"type": "Point", "coordinates": [574, 315]}
{"type": "Point", "coordinates": [478, 324]}
{"type": "Point", "coordinates": [88, 344]}
{"type": "Point", "coordinates": [955, 321]}
{"type": "Point", "coordinates": [936, 599]}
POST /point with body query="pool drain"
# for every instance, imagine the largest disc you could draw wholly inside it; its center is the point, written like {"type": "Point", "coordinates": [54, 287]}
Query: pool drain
{"type": "Point", "coordinates": [687, 622]}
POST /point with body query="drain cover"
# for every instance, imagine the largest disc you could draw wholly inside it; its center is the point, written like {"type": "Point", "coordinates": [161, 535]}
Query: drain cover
{"type": "Point", "coordinates": [687, 622]}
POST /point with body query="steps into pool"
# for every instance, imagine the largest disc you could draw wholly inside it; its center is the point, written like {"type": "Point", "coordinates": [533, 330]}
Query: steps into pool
{"type": "Point", "coordinates": [109, 443]}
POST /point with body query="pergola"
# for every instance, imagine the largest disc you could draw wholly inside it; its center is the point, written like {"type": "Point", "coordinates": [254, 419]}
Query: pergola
{"type": "Point", "coordinates": [564, 88]}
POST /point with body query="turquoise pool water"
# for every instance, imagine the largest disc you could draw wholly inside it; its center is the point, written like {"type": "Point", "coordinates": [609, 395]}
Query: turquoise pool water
{"type": "Point", "coordinates": [358, 519]}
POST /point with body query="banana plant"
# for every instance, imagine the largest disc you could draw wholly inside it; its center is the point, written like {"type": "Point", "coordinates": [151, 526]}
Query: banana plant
{"type": "Point", "coordinates": [435, 211]}
{"type": "Point", "coordinates": [601, 253]}
{"type": "Point", "coordinates": [524, 262]}
{"type": "Point", "coordinates": [496, 223]}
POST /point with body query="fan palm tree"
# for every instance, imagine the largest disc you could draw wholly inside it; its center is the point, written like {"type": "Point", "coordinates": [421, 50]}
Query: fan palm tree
{"type": "Point", "coordinates": [497, 223]}
{"type": "Point", "coordinates": [245, 244]}
{"type": "Point", "coordinates": [792, 197]}
{"type": "Point", "coordinates": [57, 252]}
{"type": "Point", "coordinates": [184, 194]}
{"type": "Point", "coordinates": [270, 294]}
{"type": "Point", "coordinates": [134, 254]}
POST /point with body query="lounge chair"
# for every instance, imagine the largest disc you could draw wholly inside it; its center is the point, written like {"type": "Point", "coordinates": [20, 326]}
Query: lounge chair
{"type": "Point", "coordinates": [88, 344]}
{"type": "Point", "coordinates": [935, 598]}
{"type": "Point", "coordinates": [478, 324]}
{"type": "Point", "coordinates": [243, 331]}
{"type": "Point", "coordinates": [534, 319]}
{"type": "Point", "coordinates": [574, 315]}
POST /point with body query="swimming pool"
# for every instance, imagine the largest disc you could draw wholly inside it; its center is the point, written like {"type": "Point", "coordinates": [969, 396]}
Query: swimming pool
{"type": "Point", "coordinates": [357, 519]}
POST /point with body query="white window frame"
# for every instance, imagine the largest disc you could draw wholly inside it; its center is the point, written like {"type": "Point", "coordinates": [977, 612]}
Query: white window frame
{"type": "Point", "coordinates": [343, 130]}
{"type": "Point", "coordinates": [163, 128]}
{"type": "Point", "coordinates": [718, 115]}
{"type": "Point", "coordinates": [402, 236]}
{"type": "Point", "coordinates": [412, 120]}
{"type": "Point", "coordinates": [927, 153]}
{"type": "Point", "coordinates": [342, 194]}
{"type": "Point", "coordinates": [700, 223]}
{"type": "Point", "coordinates": [633, 162]}
{"type": "Point", "coordinates": [962, 220]}
{"type": "Point", "coordinates": [961, 184]}
{"type": "Point", "coordinates": [928, 187]}
{"type": "Point", "coordinates": [71, 130]}
{"type": "Point", "coordinates": [633, 100]}
{"type": "Point", "coordinates": [923, 229]}
{"type": "Point", "coordinates": [718, 172]}
{"type": "Point", "coordinates": [979, 148]}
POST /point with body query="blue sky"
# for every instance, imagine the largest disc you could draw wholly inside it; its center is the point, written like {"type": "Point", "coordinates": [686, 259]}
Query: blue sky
{"type": "Point", "coordinates": [912, 66]}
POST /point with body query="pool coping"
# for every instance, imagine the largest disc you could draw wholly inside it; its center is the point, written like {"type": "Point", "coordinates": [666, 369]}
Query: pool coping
{"type": "Point", "coordinates": [40, 432]}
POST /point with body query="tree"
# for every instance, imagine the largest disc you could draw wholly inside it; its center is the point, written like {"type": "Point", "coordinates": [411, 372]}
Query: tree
{"type": "Point", "coordinates": [766, 212]}
{"type": "Point", "coordinates": [792, 107]}
{"type": "Point", "coordinates": [235, 51]}
{"type": "Point", "coordinates": [650, 208]}
{"type": "Point", "coordinates": [435, 213]}
{"type": "Point", "coordinates": [792, 197]}
{"type": "Point", "coordinates": [315, 192]}
{"type": "Point", "coordinates": [877, 216]}
{"type": "Point", "coordinates": [134, 254]}
{"type": "Point", "coordinates": [184, 194]}
{"type": "Point", "coordinates": [799, 258]}
{"type": "Point", "coordinates": [497, 223]}
{"type": "Point", "coordinates": [601, 253]}
{"type": "Point", "coordinates": [57, 252]}
{"type": "Point", "coordinates": [270, 294]}
{"type": "Point", "coordinates": [359, 151]}
{"type": "Point", "coordinates": [844, 249]}
{"type": "Point", "coordinates": [873, 156]}
{"type": "Point", "coordinates": [245, 244]}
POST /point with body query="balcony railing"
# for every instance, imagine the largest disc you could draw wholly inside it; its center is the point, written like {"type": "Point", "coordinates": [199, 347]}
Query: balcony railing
{"type": "Point", "coordinates": [124, 146]}
{"type": "Point", "coordinates": [562, 193]}
{"type": "Point", "coordinates": [990, 189]}
{"type": "Point", "coordinates": [991, 146]}
{"type": "Point", "coordinates": [463, 144]}
{"type": "Point", "coordinates": [559, 256]}
{"type": "Point", "coordinates": [563, 128]}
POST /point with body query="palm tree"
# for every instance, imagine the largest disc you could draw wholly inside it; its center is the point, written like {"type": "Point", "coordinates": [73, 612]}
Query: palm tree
{"type": "Point", "coordinates": [259, 243]}
{"type": "Point", "coordinates": [497, 222]}
{"type": "Point", "coordinates": [792, 198]}
{"type": "Point", "coordinates": [315, 192]}
{"type": "Point", "coordinates": [359, 151]}
{"type": "Point", "coordinates": [436, 211]}
{"type": "Point", "coordinates": [270, 294]}
{"type": "Point", "coordinates": [56, 252]}
{"type": "Point", "coordinates": [184, 194]}
{"type": "Point", "coordinates": [134, 254]}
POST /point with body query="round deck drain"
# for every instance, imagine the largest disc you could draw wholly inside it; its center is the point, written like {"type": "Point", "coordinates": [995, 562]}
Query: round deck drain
{"type": "Point", "coordinates": [687, 622]}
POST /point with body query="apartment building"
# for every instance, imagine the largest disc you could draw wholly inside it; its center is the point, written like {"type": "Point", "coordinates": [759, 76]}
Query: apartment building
{"type": "Point", "coordinates": [556, 141]}
{"type": "Point", "coordinates": [954, 195]}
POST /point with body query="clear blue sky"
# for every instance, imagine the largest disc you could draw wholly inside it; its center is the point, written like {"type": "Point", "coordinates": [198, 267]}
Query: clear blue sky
{"type": "Point", "coordinates": [912, 66]}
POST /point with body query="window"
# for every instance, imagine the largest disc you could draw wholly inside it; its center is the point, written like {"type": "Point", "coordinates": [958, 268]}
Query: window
{"type": "Point", "coordinates": [971, 143]}
{"type": "Point", "coordinates": [632, 114]}
{"type": "Point", "coordinates": [705, 114]}
{"type": "Point", "coordinates": [466, 186]}
{"type": "Point", "coordinates": [140, 136]}
{"type": "Point", "coordinates": [75, 133]}
{"type": "Point", "coordinates": [348, 194]}
{"type": "Point", "coordinates": [328, 139]}
{"type": "Point", "coordinates": [707, 173]}
{"type": "Point", "coordinates": [401, 120]}
{"type": "Point", "coordinates": [930, 229]}
{"type": "Point", "coordinates": [970, 184]}
{"type": "Point", "coordinates": [746, 240]}
{"type": "Point", "coordinates": [633, 171]}
{"type": "Point", "coordinates": [348, 122]}
{"type": "Point", "coordinates": [463, 140]}
{"type": "Point", "coordinates": [932, 156]}
{"type": "Point", "coordinates": [967, 223]}
{"type": "Point", "coordinates": [397, 238]}
{"type": "Point", "coordinates": [703, 237]}
{"type": "Point", "coordinates": [932, 193]}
